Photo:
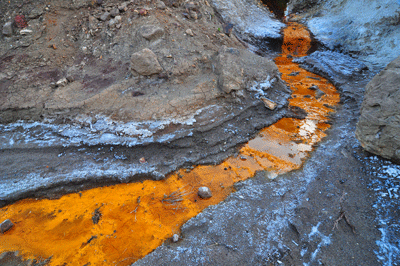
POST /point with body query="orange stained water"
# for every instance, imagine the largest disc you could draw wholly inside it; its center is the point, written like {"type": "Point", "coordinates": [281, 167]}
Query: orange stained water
{"type": "Point", "coordinates": [120, 224]}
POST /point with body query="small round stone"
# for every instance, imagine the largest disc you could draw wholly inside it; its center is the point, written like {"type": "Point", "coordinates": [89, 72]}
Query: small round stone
{"type": "Point", "coordinates": [5, 226]}
{"type": "Point", "coordinates": [175, 238]}
{"type": "Point", "coordinates": [204, 192]}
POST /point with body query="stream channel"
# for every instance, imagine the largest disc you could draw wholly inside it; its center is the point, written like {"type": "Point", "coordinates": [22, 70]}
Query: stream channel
{"type": "Point", "coordinates": [123, 223]}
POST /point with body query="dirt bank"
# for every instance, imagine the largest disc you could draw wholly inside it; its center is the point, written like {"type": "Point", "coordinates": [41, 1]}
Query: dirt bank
{"type": "Point", "coordinates": [78, 92]}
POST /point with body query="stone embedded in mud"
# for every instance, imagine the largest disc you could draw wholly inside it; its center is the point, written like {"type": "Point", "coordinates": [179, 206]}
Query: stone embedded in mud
{"type": "Point", "coordinates": [204, 193]}
{"type": "Point", "coordinates": [161, 5]}
{"type": "Point", "coordinates": [35, 13]}
{"type": "Point", "coordinates": [378, 127]}
{"type": "Point", "coordinates": [189, 32]}
{"type": "Point", "coordinates": [123, 7]}
{"type": "Point", "coordinates": [105, 16]}
{"type": "Point", "coordinates": [319, 93]}
{"type": "Point", "coordinates": [92, 23]}
{"type": "Point", "coordinates": [237, 68]}
{"type": "Point", "coordinates": [7, 29]}
{"type": "Point", "coordinates": [175, 238]}
{"type": "Point", "coordinates": [5, 226]}
{"type": "Point", "coordinates": [114, 12]}
{"type": "Point", "coordinates": [62, 82]}
{"type": "Point", "coordinates": [268, 103]}
{"type": "Point", "coordinates": [145, 63]}
{"type": "Point", "coordinates": [227, 27]}
{"type": "Point", "coordinates": [151, 32]}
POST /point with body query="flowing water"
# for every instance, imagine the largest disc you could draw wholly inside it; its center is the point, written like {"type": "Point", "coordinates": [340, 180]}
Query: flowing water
{"type": "Point", "coordinates": [122, 223]}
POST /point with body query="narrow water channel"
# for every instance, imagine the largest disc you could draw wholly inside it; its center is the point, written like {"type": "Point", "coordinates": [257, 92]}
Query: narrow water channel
{"type": "Point", "coordinates": [122, 223]}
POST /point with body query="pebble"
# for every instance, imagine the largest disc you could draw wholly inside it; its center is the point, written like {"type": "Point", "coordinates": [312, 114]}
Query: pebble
{"type": "Point", "coordinates": [189, 32]}
{"type": "Point", "coordinates": [92, 23]}
{"type": "Point", "coordinates": [145, 63]}
{"type": "Point", "coordinates": [5, 226]}
{"type": "Point", "coordinates": [7, 29]}
{"type": "Point", "coordinates": [105, 16]}
{"type": "Point", "coordinates": [35, 13]}
{"type": "Point", "coordinates": [191, 6]}
{"type": "Point", "coordinates": [268, 103]}
{"type": "Point", "coordinates": [151, 32]}
{"type": "Point", "coordinates": [204, 193]}
{"type": "Point", "coordinates": [175, 238]}
{"type": "Point", "coordinates": [123, 7]}
{"type": "Point", "coordinates": [161, 5]}
{"type": "Point", "coordinates": [25, 31]}
{"type": "Point", "coordinates": [319, 94]}
{"type": "Point", "coordinates": [62, 82]}
{"type": "Point", "coordinates": [143, 12]}
{"type": "Point", "coordinates": [193, 15]}
{"type": "Point", "coordinates": [114, 21]}
{"type": "Point", "coordinates": [227, 27]}
{"type": "Point", "coordinates": [294, 73]}
{"type": "Point", "coordinates": [114, 12]}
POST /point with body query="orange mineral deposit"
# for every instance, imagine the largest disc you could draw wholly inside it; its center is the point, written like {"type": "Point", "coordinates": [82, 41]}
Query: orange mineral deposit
{"type": "Point", "coordinates": [120, 224]}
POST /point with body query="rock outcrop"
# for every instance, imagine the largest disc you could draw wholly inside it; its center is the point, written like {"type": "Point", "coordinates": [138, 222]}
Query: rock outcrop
{"type": "Point", "coordinates": [378, 128]}
{"type": "Point", "coordinates": [251, 20]}
{"type": "Point", "coordinates": [368, 29]}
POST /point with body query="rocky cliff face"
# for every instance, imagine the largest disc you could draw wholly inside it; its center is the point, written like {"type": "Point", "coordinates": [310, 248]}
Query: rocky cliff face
{"type": "Point", "coordinates": [367, 29]}
{"type": "Point", "coordinates": [70, 61]}
{"type": "Point", "coordinates": [378, 129]}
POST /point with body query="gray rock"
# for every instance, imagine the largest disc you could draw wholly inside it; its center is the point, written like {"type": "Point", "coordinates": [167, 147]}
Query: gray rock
{"type": "Point", "coordinates": [7, 29]}
{"type": "Point", "coordinates": [5, 226]}
{"type": "Point", "coordinates": [319, 93]}
{"type": "Point", "coordinates": [25, 32]}
{"type": "Point", "coordinates": [204, 193]}
{"type": "Point", "coordinates": [62, 82]}
{"type": "Point", "coordinates": [80, 3]}
{"type": "Point", "coordinates": [92, 23]}
{"type": "Point", "coordinates": [114, 12]}
{"type": "Point", "coordinates": [161, 5]}
{"type": "Point", "coordinates": [378, 128]}
{"type": "Point", "coordinates": [115, 21]}
{"type": "Point", "coordinates": [333, 65]}
{"type": "Point", "coordinates": [123, 7]}
{"type": "Point", "coordinates": [251, 20]}
{"type": "Point", "coordinates": [145, 63]}
{"type": "Point", "coordinates": [237, 69]}
{"type": "Point", "coordinates": [151, 32]}
{"type": "Point", "coordinates": [105, 16]}
{"type": "Point", "coordinates": [35, 13]}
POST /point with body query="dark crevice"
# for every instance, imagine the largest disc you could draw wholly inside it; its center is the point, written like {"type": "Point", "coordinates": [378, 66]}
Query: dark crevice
{"type": "Point", "coordinates": [278, 7]}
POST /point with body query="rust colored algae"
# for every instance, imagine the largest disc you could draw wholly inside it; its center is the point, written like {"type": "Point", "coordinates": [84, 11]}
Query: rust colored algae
{"type": "Point", "coordinates": [120, 224]}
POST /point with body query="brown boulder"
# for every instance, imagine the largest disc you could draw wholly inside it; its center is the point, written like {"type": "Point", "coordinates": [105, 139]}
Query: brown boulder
{"type": "Point", "coordinates": [145, 63]}
{"type": "Point", "coordinates": [378, 128]}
